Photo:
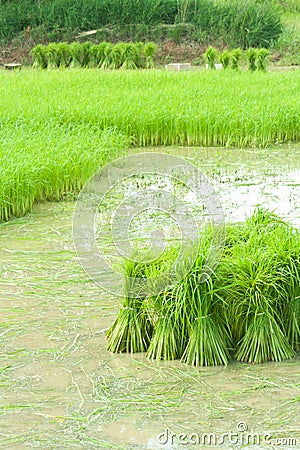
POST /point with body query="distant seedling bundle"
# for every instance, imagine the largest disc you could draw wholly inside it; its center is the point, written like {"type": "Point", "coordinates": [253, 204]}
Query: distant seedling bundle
{"type": "Point", "coordinates": [249, 309]}
{"type": "Point", "coordinates": [255, 58]}
{"type": "Point", "coordinates": [104, 55]}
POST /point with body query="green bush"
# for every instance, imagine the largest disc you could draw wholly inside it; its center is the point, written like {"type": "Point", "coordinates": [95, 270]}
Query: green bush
{"type": "Point", "coordinates": [105, 55]}
{"type": "Point", "coordinates": [249, 23]}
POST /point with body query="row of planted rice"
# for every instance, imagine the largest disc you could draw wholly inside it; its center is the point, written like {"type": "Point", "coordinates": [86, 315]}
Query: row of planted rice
{"type": "Point", "coordinates": [58, 127]}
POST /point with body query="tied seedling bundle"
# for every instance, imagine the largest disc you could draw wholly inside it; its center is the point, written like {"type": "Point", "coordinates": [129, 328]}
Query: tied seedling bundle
{"type": "Point", "coordinates": [248, 309]}
{"type": "Point", "coordinates": [102, 56]}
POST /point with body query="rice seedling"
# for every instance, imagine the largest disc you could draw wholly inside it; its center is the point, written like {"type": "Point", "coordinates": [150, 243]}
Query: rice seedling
{"type": "Point", "coordinates": [76, 55]}
{"type": "Point", "coordinates": [262, 62]}
{"type": "Point", "coordinates": [225, 59]}
{"type": "Point", "coordinates": [236, 54]}
{"type": "Point", "coordinates": [64, 54]}
{"type": "Point", "coordinates": [249, 305]}
{"type": "Point", "coordinates": [53, 56]}
{"type": "Point", "coordinates": [149, 49]}
{"type": "Point", "coordinates": [132, 329]}
{"type": "Point", "coordinates": [117, 56]}
{"type": "Point", "coordinates": [130, 57]}
{"type": "Point", "coordinates": [210, 56]}
{"type": "Point", "coordinates": [107, 61]}
{"type": "Point", "coordinates": [39, 56]}
{"type": "Point", "coordinates": [252, 57]}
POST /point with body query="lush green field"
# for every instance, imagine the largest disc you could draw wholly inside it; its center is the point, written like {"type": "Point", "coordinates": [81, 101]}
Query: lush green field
{"type": "Point", "coordinates": [58, 127]}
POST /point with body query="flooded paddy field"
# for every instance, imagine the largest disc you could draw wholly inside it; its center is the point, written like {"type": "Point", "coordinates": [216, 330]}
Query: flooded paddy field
{"type": "Point", "coordinates": [61, 388]}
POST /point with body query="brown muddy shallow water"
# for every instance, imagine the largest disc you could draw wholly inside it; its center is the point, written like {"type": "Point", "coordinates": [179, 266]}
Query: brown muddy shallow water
{"type": "Point", "coordinates": [59, 386]}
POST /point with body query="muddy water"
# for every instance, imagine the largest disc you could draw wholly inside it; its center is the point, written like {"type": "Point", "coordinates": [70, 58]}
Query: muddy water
{"type": "Point", "coordinates": [60, 388]}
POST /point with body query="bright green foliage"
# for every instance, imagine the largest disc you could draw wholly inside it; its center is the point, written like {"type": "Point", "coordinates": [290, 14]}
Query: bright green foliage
{"type": "Point", "coordinates": [251, 57]}
{"type": "Point", "coordinates": [236, 54]}
{"type": "Point", "coordinates": [39, 56]}
{"type": "Point", "coordinates": [150, 49]}
{"type": "Point", "coordinates": [225, 59]}
{"type": "Point", "coordinates": [104, 55]}
{"type": "Point", "coordinates": [248, 309]}
{"type": "Point", "coordinates": [262, 55]}
{"type": "Point", "coordinates": [210, 56]}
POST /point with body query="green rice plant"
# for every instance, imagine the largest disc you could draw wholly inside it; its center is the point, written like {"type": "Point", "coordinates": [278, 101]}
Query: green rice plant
{"type": "Point", "coordinates": [107, 61]}
{"type": "Point", "coordinates": [39, 55]}
{"type": "Point", "coordinates": [76, 55]}
{"type": "Point", "coordinates": [53, 56]}
{"type": "Point", "coordinates": [150, 49]}
{"type": "Point", "coordinates": [252, 57]}
{"type": "Point", "coordinates": [165, 342]}
{"type": "Point", "coordinates": [130, 57]}
{"type": "Point", "coordinates": [64, 54]}
{"type": "Point", "coordinates": [117, 56]}
{"type": "Point", "coordinates": [209, 340]}
{"type": "Point", "coordinates": [264, 340]}
{"type": "Point", "coordinates": [86, 48]}
{"type": "Point", "coordinates": [225, 59]}
{"type": "Point", "coordinates": [94, 58]}
{"type": "Point", "coordinates": [262, 61]}
{"type": "Point", "coordinates": [210, 56]}
{"type": "Point", "coordinates": [101, 53]}
{"type": "Point", "coordinates": [291, 307]}
{"type": "Point", "coordinates": [132, 329]}
{"type": "Point", "coordinates": [236, 54]}
{"type": "Point", "coordinates": [140, 54]}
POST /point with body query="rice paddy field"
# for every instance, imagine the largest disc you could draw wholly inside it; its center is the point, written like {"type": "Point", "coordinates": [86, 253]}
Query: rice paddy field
{"type": "Point", "coordinates": [60, 387]}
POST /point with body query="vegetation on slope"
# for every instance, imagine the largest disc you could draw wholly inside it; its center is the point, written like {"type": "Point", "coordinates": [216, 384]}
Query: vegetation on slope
{"type": "Point", "coordinates": [235, 23]}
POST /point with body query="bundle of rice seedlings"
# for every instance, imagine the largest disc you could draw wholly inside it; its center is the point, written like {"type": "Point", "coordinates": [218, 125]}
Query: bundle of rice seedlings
{"type": "Point", "coordinates": [39, 55]}
{"type": "Point", "coordinates": [132, 330]}
{"type": "Point", "coordinates": [210, 56]}
{"type": "Point", "coordinates": [106, 63]}
{"type": "Point", "coordinates": [225, 59]}
{"type": "Point", "coordinates": [130, 57]}
{"type": "Point", "coordinates": [236, 54]}
{"type": "Point", "coordinates": [165, 341]}
{"type": "Point", "coordinates": [251, 57]}
{"type": "Point", "coordinates": [262, 59]}
{"type": "Point", "coordinates": [53, 56]}
{"type": "Point", "coordinates": [149, 50]}
{"type": "Point", "coordinates": [264, 340]}
{"type": "Point", "coordinates": [64, 54]}
{"type": "Point", "coordinates": [101, 53]}
{"type": "Point", "coordinates": [93, 61]}
{"type": "Point", "coordinates": [117, 56]}
{"type": "Point", "coordinates": [291, 305]}
{"type": "Point", "coordinates": [76, 55]}
{"type": "Point", "coordinates": [86, 53]}
{"type": "Point", "coordinates": [255, 288]}
{"type": "Point", "coordinates": [209, 339]}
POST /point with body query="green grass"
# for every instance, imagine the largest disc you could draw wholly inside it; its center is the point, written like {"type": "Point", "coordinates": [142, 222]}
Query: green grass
{"type": "Point", "coordinates": [247, 23]}
{"type": "Point", "coordinates": [58, 127]}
